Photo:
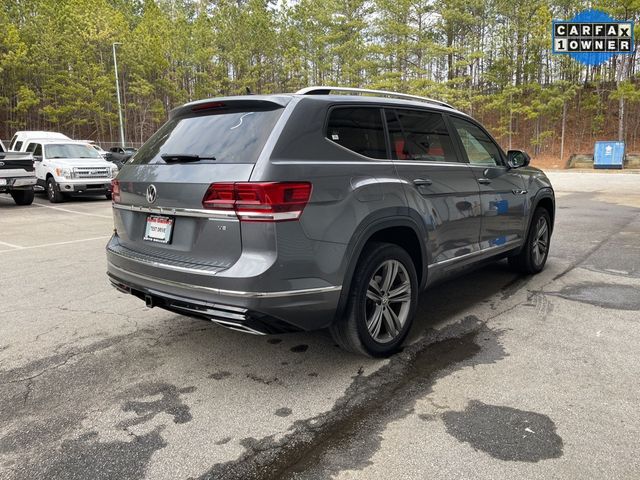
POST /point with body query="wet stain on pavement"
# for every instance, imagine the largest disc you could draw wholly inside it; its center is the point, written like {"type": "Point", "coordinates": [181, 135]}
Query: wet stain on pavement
{"type": "Point", "coordinates": [606, 295]}
{"type": "Point", "coordinates": [283, 412]}
{"type": "Point", "coordinates": [223, 441]}
{"type": "Point", "coordinates": [300, 348]}
{"type": "Point", "coordinates": [505, 433]}
{"type": "Point", "coordinates": [169, 403]}
{"type": "Point", "coordinates": [264, 381]}
{"type": "Point", "coordinates": [274, 341]}
{"type": "Point", "coordinates": [220, 375]}
{"type": "Point", "coordinates": [87, 457]}
{"type": "Point", "coordinates": [315, 447]}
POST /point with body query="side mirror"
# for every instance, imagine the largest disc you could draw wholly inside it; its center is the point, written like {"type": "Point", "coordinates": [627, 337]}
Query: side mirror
{"type": "Point", "coordinates": [37, 158]}
{"type": "Point", "coordinates": [517, 159]}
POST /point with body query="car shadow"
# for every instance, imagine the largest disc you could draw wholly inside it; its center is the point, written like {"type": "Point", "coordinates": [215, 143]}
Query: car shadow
{"type": "Point", "coordinates": [73, 199]}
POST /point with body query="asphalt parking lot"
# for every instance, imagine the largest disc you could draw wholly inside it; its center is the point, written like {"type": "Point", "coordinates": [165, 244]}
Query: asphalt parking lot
{"type": "Point", "coordinates": [506, 377]}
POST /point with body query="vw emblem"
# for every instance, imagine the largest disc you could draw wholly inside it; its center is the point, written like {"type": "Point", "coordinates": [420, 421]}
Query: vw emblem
{"type": "Point", "coordinates": [152, 194]}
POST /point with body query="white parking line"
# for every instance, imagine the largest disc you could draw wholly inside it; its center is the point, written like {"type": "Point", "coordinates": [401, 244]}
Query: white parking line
{"type": "Point", "coordinates": [72, 211]}
{"type": "Point", "coordinates": [44, 245]}
{"type": "Point", "coordinates": [62, 209]}
{"type": "Point", "coordinates": [10, 245]}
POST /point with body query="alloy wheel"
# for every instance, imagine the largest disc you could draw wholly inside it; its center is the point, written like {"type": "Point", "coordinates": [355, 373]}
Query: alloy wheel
{"type": "Point", "coordinates": [540, 241]}
{"type": "Point", "coordinates": [388, 301]}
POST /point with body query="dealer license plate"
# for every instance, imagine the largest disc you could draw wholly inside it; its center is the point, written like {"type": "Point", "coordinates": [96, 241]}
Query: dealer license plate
{"type": "Point", "coordinates": [158, 229]}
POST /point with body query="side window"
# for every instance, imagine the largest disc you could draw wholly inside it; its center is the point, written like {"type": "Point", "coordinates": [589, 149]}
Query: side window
{"type": "Point", "coordinates": [418, 135]}
{"type": "Point", "coordinates": [30, 148]}
{"type": "Point", "coordinates": [18, 146]}
{"type": "Point", "coordinates": [13, 140]}
{"type": "Point", "coordinates": [37, 151]}
{"type": "Point", "coordinates": [481, 150]}
{"type": "Point", "coordinates": [358, 129]}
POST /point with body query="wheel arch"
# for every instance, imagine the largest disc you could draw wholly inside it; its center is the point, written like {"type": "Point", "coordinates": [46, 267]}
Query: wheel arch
{"type": "Point", "coordinates": [403, 231]}
{"type": "Point", "coordinates": [544, 198]}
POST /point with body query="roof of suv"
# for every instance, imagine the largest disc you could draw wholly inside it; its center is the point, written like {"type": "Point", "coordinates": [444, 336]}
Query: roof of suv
{"type": "Point", "coordinates": [353, 95]}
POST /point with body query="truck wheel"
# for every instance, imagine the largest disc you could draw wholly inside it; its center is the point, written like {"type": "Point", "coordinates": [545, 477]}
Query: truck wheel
{"type": "Point", "coordinates": [55, 196]}
{"type": "Point", "coordinates": [22, 197]}
{"type": "Point", "coordinates": [533, 256]}
{"type": "Point", "coordinates": [382, 302]}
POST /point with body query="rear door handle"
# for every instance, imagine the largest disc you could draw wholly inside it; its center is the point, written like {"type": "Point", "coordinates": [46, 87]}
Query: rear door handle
{"type": "Point", "coordinates": [422, 181]}
{"type": "Point", "coordinates": [484, 181]}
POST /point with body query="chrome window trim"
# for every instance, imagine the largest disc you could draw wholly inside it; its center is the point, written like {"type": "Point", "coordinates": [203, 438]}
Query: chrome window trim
{"type": "Point", "coordinates": [371, 161]}
{"type": "Point", "coordinates": [181, 212]}
{"type": "Point", "coordinates": [230, 293]}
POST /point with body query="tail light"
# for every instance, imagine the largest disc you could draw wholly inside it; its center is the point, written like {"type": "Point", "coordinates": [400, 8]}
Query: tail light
{"type": "Point", "coordinates": [259, 201]}
{"type": "Point", "coordinates": [115, 191]}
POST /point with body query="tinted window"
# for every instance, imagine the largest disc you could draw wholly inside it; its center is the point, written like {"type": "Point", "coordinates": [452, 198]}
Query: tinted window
{"type": "Point", "coordinates": [480, 149]}
{"type": "Point", "coordinates": [417, 135]}
{"type": "Point", "coordinates": [234, 137]}
{"type": "Point", "coordinates": [31, 147]}
{"type": "Point", "coordinates": [37, 150]}
{"type": "Point", "coordinates": [18, 146]}
{"type": "Point", "coordinates": [358, 129]}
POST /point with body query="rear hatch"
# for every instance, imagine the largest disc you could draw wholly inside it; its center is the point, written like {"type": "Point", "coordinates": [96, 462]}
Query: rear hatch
{"type": "Point", "coordinates": [158, 194]}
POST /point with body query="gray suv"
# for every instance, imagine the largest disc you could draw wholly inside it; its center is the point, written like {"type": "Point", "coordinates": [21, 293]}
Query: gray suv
{"type": "Point", "coordinates": [327, 208]}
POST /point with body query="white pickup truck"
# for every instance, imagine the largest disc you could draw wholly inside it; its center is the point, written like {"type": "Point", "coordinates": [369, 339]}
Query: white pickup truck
{"type": "Point", "coordinates": [17, 176]}
{"type": "Point", "coordinates": [67, 167]}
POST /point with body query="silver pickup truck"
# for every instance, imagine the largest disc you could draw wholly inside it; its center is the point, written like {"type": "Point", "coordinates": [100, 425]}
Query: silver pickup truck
{"type": "Point", "coordinates": [17, 176]}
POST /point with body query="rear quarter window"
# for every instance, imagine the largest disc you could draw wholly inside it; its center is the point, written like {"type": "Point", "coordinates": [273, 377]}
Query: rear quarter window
{"type": "Point", "coordinates": [358, 129]}
{"type": "Point", "coordinates": [229, 137]}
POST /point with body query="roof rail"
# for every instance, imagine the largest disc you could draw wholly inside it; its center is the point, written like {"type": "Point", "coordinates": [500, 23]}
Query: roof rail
{"type": "Point", "coordinates": [318, 90]}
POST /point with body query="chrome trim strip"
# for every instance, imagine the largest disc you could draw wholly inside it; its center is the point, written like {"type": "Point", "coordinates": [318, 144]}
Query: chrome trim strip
{"type": "Point", "coordinates": [166, 266]}
{"type": "Point", "coordinates": [181, 212]}
{"type": "Point", "coordinates": [211, 312]}
{"type": "Point", "coordinates": [237, 327]}
{"type": "Point", "coordinates": [230, 293]}
{"type": "Point", "coordinates": [473, 254]}
{"type": "Point", "coordinates": [369, 161]}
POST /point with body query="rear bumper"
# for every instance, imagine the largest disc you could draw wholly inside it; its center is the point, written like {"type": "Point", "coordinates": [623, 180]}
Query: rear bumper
{"type": "Point", "coordinates": [17, 182]}
{"type": "Point", "coordinates": [257, 312]}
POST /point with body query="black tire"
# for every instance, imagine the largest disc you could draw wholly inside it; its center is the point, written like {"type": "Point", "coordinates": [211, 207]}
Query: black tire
{"type": "Point", "coordinates": [108, 195]}
{"type": "Point", "coordinates": [53, 193]}
{"type": "Point", "coordinates": [528, 260]}
{"type": "Point", "coordinates": [23, 197]}
{"type": "Point", "coordinates": [351, 332]}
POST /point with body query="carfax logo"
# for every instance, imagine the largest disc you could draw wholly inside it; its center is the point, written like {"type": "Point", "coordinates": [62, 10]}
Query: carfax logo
{"type": "Point", "coordinates": [592, 37]}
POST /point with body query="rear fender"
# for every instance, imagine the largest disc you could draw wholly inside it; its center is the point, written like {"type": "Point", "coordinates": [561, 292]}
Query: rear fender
{"type": "Point", "coordinates": [364, 233]}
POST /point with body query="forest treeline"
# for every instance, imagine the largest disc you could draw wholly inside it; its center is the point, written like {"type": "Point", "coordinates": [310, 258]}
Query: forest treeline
{"type": "Point", "coordinates": [491, 59]}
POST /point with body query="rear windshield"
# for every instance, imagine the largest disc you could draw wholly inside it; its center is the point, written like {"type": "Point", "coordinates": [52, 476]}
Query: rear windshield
{"type": "Point", "coordinates": [230, 137]}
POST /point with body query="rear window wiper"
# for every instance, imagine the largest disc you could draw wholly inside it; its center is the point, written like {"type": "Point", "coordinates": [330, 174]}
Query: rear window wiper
{"type": "Point", "coordinates": [183, 157]}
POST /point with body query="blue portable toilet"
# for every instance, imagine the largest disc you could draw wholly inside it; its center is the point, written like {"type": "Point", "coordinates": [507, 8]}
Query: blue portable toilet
{"type": "Point", "coordinates": [608, 155]}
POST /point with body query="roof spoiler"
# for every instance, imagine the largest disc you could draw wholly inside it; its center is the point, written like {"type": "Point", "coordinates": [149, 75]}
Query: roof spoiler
{"type": "Point", "coordinates": [239, 103]}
